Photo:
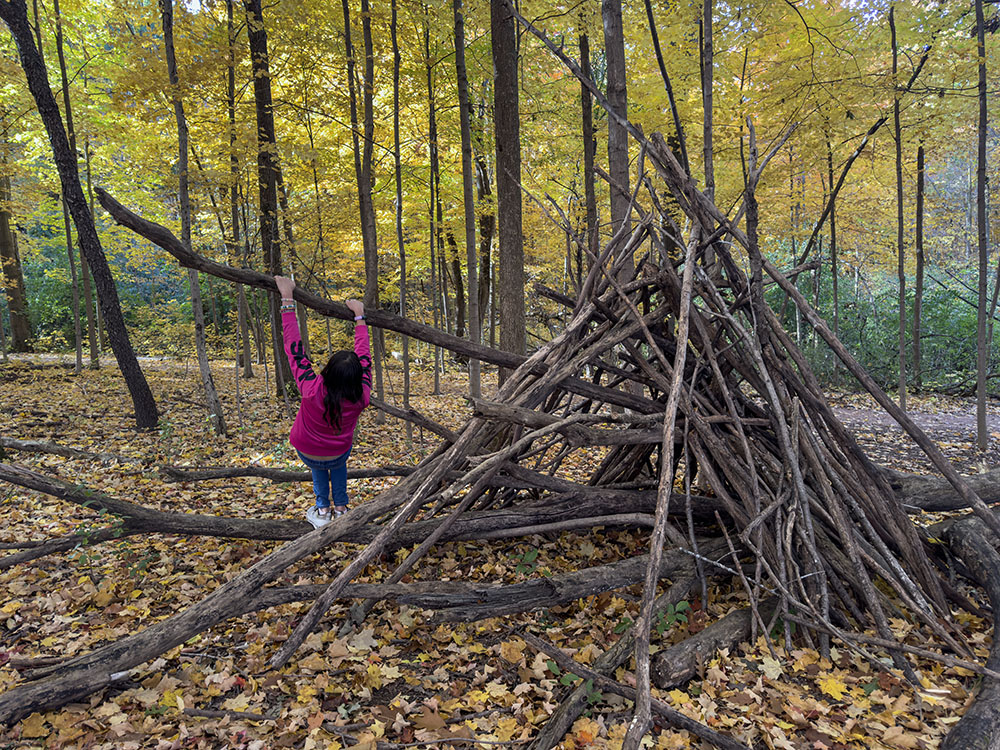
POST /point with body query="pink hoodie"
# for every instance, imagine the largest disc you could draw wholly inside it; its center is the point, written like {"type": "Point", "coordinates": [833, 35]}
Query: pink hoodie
{"type": "Point", "coordinates": [312, 434]}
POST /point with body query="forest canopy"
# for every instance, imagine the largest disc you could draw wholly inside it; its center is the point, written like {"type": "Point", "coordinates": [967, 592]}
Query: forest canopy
{"type": "Point", "coordinates": [826, 67]}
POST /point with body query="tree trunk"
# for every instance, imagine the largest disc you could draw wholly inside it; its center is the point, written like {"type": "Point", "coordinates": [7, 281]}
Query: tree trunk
{"type": "Point", "coordinates": [433, 201]}
{"type": "Point", "coordinates": [15, 15]}
{"type": "Point", "coordinates": [75, 286]}
{"type": "Point", "coordinates": [267, 181]}
{"type": "Point", "coordinates": [10, 264]}
{"type": "Point", "coordinates": [614, 53]}
{"type": "Point", "coordinates": [468, 201]}
{"type": "Point", "coordinates": [506, 113]}
{"type": "Point", "coordinates": [487, 217]}
{"type": "Point", "coordinates": [918, 283]}
{"type": "Point", "coordinates": [71, 134]}
{"type": "Point", "coordinates": [242, 311]}
{"type": "Point", "coordinates": [363, 166]}
{"type": "Point", "coordinates": [834, 270]}
{"type": "Point", "coordinates": [900, 250]}
{"type": "Point", "coordinates": [982, 345]}
{"type": "Point", "coordinates": [589, 151]}
{"type": "Point", "coordinates": [88, 294]}
{"type": "Point", "coordinates": [184, 201]}
{"type": "Point", "coordinates": [398, 167]}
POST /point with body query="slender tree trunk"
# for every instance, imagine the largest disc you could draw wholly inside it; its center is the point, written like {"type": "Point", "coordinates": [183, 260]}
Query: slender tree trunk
{"type": "Point", "coordinates": [10, 264]}
{"type": "Point", "coordinates": [487, 215]}
{"type": "Point", "coordinates": [368, 215]}
{"type": "Point", "coordinates": [982, 344]}
{"type": "Point", "coordinates": [184, 200]}
{"type": "Point", "coordinates": [363, 168]}
{"type": "Point", "coordinates": [468, 200]}
{"type": "Point", "coordinates": [589, 151]}
{"type": "Point", "coordinates": [506, 113]}
{"type": "Point", "coordinates": [267, 181]}
{"type": "Point", "coordinates": [614, 53]}
{"type": "Point", "coordinates": [88, 296]}
{"type": "Point", "coordinates": [71, 134]}
{"type": "Point", "coordinates": [15, 14]}
{"type": "Point", "coordinates": [900, 251]}
{"type": "Point", "coordinates": [75, 285]}
{"type": "Point", "coordinates": [432, 199]}
{"type": "Point", "coordinates": [396, 59]}
{"type": "Point", "coordinates": [707, 62]}
{"type": "Point", "coordinates": [834, 270]}
{"type": "Point", "coordinates": [918, 287]}
{"type": "Point", "coordinates": [242, 310]}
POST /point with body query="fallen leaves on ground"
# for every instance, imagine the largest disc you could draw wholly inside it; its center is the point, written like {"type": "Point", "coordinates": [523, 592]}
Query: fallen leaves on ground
{"type": "Point", "coordinates": [397, 680]}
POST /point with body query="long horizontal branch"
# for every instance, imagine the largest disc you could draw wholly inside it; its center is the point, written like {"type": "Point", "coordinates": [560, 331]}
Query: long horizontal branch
{"type": "Point", "coordinates": [162, 237]}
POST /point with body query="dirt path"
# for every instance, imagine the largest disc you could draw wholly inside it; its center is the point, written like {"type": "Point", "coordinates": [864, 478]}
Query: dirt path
{"type": "Point", "coordinates": [950, 422]}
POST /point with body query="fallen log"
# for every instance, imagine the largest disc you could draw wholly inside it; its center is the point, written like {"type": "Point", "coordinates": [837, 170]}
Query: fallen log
{"type": "Point", "coordinates": [979, 727]}
{"type": "Point", "coordinates": [206, 473]}
{"type": "Point", "coordinates": [935, 494]}
{"type": "Point", "coordinates": [66, 451]}
{"type": "Point", "coordinates": [677, 664]}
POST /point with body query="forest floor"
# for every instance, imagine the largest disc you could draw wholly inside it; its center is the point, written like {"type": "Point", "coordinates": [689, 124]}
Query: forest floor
{"type": "Point", "coordinates": [400, 680]}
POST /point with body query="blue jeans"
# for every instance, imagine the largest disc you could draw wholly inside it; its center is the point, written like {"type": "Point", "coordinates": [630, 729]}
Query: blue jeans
{"type": "Point", "coordinates": [329, 475]}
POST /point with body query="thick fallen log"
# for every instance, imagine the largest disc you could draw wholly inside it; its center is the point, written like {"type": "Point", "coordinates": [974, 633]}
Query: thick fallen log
{"type": "Point", "coordinates": [577, 506]}
{"type": "Point", "coordinates": [679, 663]}
{"type": "Point", "coordinates": [461, 601]}
{"type": "Point", "coordinates": [918, 492]}
{"type": "Point", "coordinates": [979, 727]}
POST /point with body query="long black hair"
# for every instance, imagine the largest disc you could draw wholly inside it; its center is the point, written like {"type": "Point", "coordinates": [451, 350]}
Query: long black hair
{"type": "Point", "coordinates": [342, 378]}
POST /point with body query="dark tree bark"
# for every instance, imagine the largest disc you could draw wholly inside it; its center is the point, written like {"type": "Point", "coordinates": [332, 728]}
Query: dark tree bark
{"type": "Point", "coordinates": [398, 168]}
{"type": "Point", "coordinates": [487, 216]}
{"type": "Point", "coordinates": [468, 201]}
{"type": "Point", "coordinates": [918, 282]}
{"type": "Point", "coordinates": [94, 328]}
{"type": "Point", "coordinates": [267, 179]}
{"type": "Point", "coordinates": [242, 309]}
{"type": "Point", "coordinates": [982, 344]}
{"type": "Point", "coordinates": [506, 113]}
{"type": "Point", "coordinates": [457, 282]}
{"type": "Point", "coordinates": [363, 165]}
{"type": "Point", "coordinates": [614, 53]}
{"type": "Point", "coordinates": [707, 62]}
{"type": "Point", "coordinates": [589, 151]}
{"type": "Point", "coordinates": [900, 247]}
{"type": "Point", "coordinates": [433, 199]}
{"type": "Point", "coordinates": [71, 134]}
{"type": "Point", "coordinates": [10, 259]}
{"type": "Point", "coordinates": [15, 14]}
{"type": "Point", "coordinates": [834, 268]}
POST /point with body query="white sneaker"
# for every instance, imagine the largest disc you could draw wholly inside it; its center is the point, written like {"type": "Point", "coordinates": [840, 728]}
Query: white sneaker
{"type": "Point", "coordinates": [316, 518]}
{"type": "Point", "coordinates": [339, 510]}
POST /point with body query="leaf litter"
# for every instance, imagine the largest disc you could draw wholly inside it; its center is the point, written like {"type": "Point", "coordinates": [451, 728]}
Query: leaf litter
{"type": "Point", "coordinates": [398, 680]}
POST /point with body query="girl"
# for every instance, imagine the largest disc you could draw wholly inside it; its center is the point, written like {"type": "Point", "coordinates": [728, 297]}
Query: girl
{"type": "Point", "coordinates": [323, 432]}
